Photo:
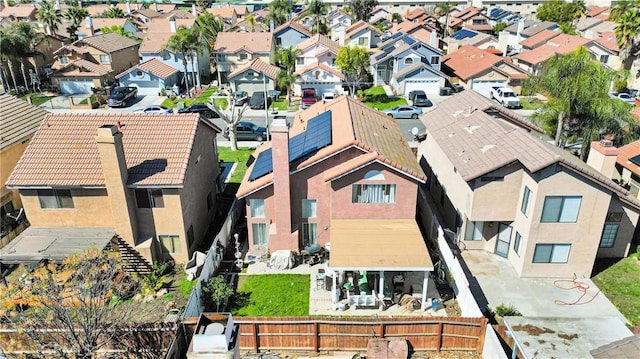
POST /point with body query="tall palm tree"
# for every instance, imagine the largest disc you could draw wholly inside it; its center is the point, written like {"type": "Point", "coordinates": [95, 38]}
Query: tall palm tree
{"type": "Point", "coordinates": [49, 16]}
{"type": "Point", "coordinates": [76, 14]}
{"type": "Point", "coordinates": [316, 8]}
{"type": "Point", "coordinates": [627, 32]}
{"type": "Point", "coordinates": [114, 13]}
{"type": "Point", "coordinates": [9, 45]}
{"type": "Point", "coordinates": [118, 29]}
{"type": "Point", "coordinates": [286, 57]}
{"type": "Point", "coordinates": [279, 11]}
{"type": "Point", "coordinates": [209, 26]}
{"type": "Point", "coordinates": [185, 41]}
{"type": "Point", "coordinates": [620, 7]}
{"type": "Point", "coordinates": [443, 9]}
{"type": "Point", "coordinates": [28, 37]}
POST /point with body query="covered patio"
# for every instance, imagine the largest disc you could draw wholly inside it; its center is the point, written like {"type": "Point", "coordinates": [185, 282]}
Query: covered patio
{"type": "Point", "coordinates": [371, 262]}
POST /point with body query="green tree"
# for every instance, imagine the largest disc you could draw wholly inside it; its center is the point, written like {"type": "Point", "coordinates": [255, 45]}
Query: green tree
{"type": "Point", "coordinates": [499, 26]}
{"type": "Point", "coordinates": [568, 28]}
{"type": "Point", "coordinates": [279, 11]}
{"type": "Point", "coordinates": [203, 5]}
{"type": "Point", "coordinates": [184, 41]}
{"type": "Point", "coordinates": [216, 291]}
{"type": "Point", "coordinates": [49, 16]}
{"type": "Point", "coordinates": [114, 13]}
{"type": "Point", "coordinates": [118, 29]}
{"type": "Point", "coordinates": [361, 9]}
{"type": "Point", "coordinates": [396, 17]}
{"type": "Point", "coordinates": [353, 61]}
{"type": "Point", "coordinates": [579, 104]}
{"type": "Point", "coordinates": [560, 11]}
{"type": "Point", "coordinates": [627, 33]}
{"type": "Point", "coordinates": [17, 43]}
{"type": "Point", "coordinates": [76, 14]}
{"type": "Point", "coordinates": [622, 6]}
{"type": "Point", "coordinates": [71, 303]}
{"type": "Point", "coordinates": [443, 9]}
{"type": "Point", "coordinates": [316, 9]}
{"type": "Point", "coordinates": [286, 57]}
{"type": "Point", "coordinates": [209, 26]}
{"type": "Point", "coordinates": [10, 45]}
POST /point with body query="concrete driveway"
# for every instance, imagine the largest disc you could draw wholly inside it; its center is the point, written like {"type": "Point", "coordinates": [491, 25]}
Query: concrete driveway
{"type": "Point", "coordinates": [60, 104]}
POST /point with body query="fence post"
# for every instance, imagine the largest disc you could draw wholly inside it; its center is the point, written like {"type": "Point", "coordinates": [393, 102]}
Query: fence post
{"type": "Point", "coordinates": [439, 344]}
{"type": "Point", "coordinates": [381, 335]}
{"type": "Point", "coordinates": [316, 337]}
{"type": "Point", "coordinates": [256, 345]}
{"type": "Point", "coordinates": [481, 337]}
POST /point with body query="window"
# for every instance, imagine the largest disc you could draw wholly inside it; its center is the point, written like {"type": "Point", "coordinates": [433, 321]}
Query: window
{"type": "Point", "coordinates": [139, 73]}
{"type": "Point", "coordinates": [299, 60]}
{"type": "Point", "coordinates": [221, 57]}
{"type": "Point", "coordinates": [278, 41]}
{"type": "Point", "coordinates": [362, 41]}
{"type": "Point", "coordinates": [551, 253]}
{"type": "Point", "coordinates": [149, 198]}
{"type": "Point", "coordinates": [374, 193]}
{"type": "Point", "coordinates": [309, 234]}
{"type": "Point", "coordinates": [259, 233]}
{"type": "Point", "coordinates": [604, 58]}
{"type": "Point", "coordinates": [243, 57]}
{"type": "Point", "coordinates": [561, 209]}
{"type": "Point", "coordinates": [473, 232]}
{"type": "Point", "coordinates": [64, 59]}
{"type": "Point", "coordinates": [435, 60]}
{"type": "Point", "coordinates": [257, 208]}
{"type": "Point", "coordinates": [516, 243]}
{"type": "Point", "coordinates": [105, 59]}
{"type": "Point", "coordinates": [170, 244]}
{"type": "Point", "coordinates": [526, 201]}
{"type": "Point", "coordinates": [309, 208]}
{"type": "Point", "coordinates": [374, 175]}
{"type": "Point", "coordinates": [614, 217]}
{"type": "Point", "coordinates": [609, 234]}
{"type": "Point", "coordinates": [408, 61]}
{"type": "Point", "coordinates": [55, 198]}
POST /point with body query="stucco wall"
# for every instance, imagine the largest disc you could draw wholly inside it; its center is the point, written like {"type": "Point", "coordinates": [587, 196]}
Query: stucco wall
{"type": "Point", "coordinates": [91, 209]}
{"type": "Point", "coordinates": [290, 37]}
{"type": "Point", "coordinates": [8, 159]}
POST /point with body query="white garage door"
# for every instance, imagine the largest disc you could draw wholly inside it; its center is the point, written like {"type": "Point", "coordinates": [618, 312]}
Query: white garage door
{"type": "Point", "coordinates": [430, 87]}
{"type": "Point", "coordinates": [484, 87]}
{"type": "Point", "coordinates": [145, 88]}
{"type": "Point", "coordinates": [250, 87]}
{"type": "Point", "coordinates": [322, 88]}
{"type": "Point", "coordinates": [70, 87]}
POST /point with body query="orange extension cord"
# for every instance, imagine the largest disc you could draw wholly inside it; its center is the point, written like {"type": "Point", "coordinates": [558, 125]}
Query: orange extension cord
{"type": "Point", "coordinates": [582, 287]}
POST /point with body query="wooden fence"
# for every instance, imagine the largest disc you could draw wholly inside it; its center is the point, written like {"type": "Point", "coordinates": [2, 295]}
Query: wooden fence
{"type": "Point", "coordinates": [327, 334]}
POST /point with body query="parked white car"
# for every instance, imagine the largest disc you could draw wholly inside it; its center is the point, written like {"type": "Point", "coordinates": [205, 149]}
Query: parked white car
{"type": "Point", "coordinates": [328, 96]}
{"type": "Point", "coordinates": [506, 97]}
{"type": "Point", "coordinates": [154, 109]}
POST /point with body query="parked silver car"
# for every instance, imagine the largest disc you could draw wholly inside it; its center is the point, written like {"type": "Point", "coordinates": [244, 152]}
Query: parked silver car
{"type": "Point", "coordinates": [403, 112]}
{"type": "Point", "coordinates": [154, 109]}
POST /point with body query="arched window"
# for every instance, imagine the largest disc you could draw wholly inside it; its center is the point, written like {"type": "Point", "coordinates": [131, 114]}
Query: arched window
{"type": "Point", "coordinates": [408, 61]}
{"type": "Point", "coordinates": [374, 175]}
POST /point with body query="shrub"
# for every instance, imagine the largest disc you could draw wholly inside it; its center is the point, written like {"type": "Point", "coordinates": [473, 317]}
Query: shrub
{"type": "Point", "coordinates": [507, 311]}
{"type": "Point", "coordinates": [157, 279]}
{"type": "Point", "coordinates": [215, 291]}
{"type": "Point", "coordinates": [376, 98]}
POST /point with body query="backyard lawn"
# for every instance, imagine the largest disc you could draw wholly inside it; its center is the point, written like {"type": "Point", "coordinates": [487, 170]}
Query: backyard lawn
{"type": "Point", "coordinates": [36, 99]}
{"type": "Point", "coordinates": [204, 97]}
{"type": "Point", "coordinates": [621, 285]}
{"type": "Point", "coordinates": [240, 156]}
{"type": "Point", "coordinates": [381, 101]}
{"type": "Point", "coordinates": [272, 295]}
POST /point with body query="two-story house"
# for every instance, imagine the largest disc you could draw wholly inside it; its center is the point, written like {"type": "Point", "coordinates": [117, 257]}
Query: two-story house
{"type": "Point", "coordinates": [343, 174]}
{"type": "Point", "coordinates": [92, 62]}
{"type": "Point", "coordinates": [20, 120]}
{"type": "Point", "coordinates": [151, 179]}
{"type": "Point", "coordinates": [408, 64]}
{"type": "Point", "coordinates": [472, 18]}
{"type": "Point", "coordinates": [620, 164]}
{"type": "Point", "coordinates": [339, 22]}
{"type": "Point", "coordinates": [480, 70]}
{"type": "Point", "coordinates": [605, 49]}
{"type": "Point", "coordinates": [515, 33]}
{"type": "Point", "coordinates": [533, 60]}
{"type": "Point", "coordinates": [236, 49]}
{"type": "Point", "coordinates": [154, 46]}
{"type": "Point", "coordinates": [317, 49]}
{"type": "Point", "coordinates": [362, 34]}
{"type": "Point", "coordinates": [500, 187]}
{"type": "Point", "coordinates": [290, 34]}
{"type": "Point", "coordinates": [254, 76]}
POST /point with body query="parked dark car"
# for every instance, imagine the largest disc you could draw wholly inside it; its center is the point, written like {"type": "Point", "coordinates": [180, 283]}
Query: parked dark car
{"type": "Point", "coordinates": [247, 131]}
{"type": "Point", "coordinates": [257, 101]}
{"type": "Point", "coordinates": [202, 108]}
{"type": "Point", "coordinates": [120, 96]}
{"type": "Point", "coordinates": [419, 99]}
{"type": "Point", "coordinates": [240, 98]}
{"type": "Point", "coordinates": [309, 97]}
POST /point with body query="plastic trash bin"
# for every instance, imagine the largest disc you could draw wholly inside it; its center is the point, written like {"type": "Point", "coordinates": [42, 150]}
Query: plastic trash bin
{"type": "Point", "coordinates": [445, 91]}
{"type": "Point", "coordinates": [435, 302]}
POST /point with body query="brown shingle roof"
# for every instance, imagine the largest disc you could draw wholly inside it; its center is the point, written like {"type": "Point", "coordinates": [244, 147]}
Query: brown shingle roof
{"type": "Point", "coordinates": [258, 66]}
{"type": "Point", "coordinates": [64, 152]}
{"type": "Point", "coordinates": [322, 40]}
{"type": "Point", "coordinates": [19, 120]}
{"type": "Point", "coordinates": [320, 66]}
{"type": "Point", "coordinates": [108, 43]}
{"type": "Point", "coordinates": [154, 66]}
{"type": "Point", "coordinates": [91, 69]}
{"type": "Point", "coordinates": [414, 14]}
{"type": "Point", "coordinates": [561, 44]}
{"type": "Point", "coordinates": [469, 60]}
{"type": "Point", "coordinates": [294, 25]}
{"type": "Point", "coordinates": [352, 124]}
{"type": "Point", "coordinates": [232, 42]}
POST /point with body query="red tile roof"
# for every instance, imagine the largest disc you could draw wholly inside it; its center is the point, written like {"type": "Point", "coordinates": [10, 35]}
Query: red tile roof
{"type": "Point", "coordinates": [539, 38]}
{"type": "Point", "coordinates": [18, 11]}
{"type": "Point", "coordinates": [359, 26]}
{"type": "Point", "coordinates": [159, 32]}
{"type": "Point", "coordinates": [322, 40]}
{"type": "Point", "coordinates": [470, 60]}
{"type": "Point", "coordinates": [64, 152]}
{"type": "Point", "coordinates": [259, 66]}
{"type": "Point", "coordinates": [154, 66]}
{"type": "Point", "coordinates": [608, 40]}
{"type": "Point", "coordinates": [561, 44]}
{"type": "Point", "coordinates": [91, 69]}
{"type": "Point", "coordinates": [232, 42]}
{"type": "Point", "coordinates": [627, 152]}
{"type": "Point", "coordinates": [294, 25]}
{"type": "Point", "coordinates": [320, 66]}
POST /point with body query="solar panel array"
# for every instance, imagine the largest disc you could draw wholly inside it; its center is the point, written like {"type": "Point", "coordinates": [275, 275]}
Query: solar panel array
{"type": "Point", "coordinates": [635, 160]}
{"type": "Point", "coordinates": [316, 136]}
{"type": "Point", "coordinates": [463, 34]}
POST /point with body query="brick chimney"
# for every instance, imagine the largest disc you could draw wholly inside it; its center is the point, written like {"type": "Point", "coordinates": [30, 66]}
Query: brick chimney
{"type": "Point", "coordinates": [114, 168]}
{"type": "Point", "coordinates": [602, 157]}
{"type": "Point", "coordinates": [281, 231]}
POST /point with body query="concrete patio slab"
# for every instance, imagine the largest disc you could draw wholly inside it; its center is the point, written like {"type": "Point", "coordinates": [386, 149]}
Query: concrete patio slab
{"type": "Point", "coordinates": [535, 297]}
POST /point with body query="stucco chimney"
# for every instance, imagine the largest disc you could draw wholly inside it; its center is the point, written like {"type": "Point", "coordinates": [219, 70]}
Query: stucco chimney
{"type": "Point", "coordinates": [433, 39]}
{"type": "Point", "coordinates": [281, 237]}
{"type": "Point", "coordinates": [172, 24]}
{"type": "Point", "coordinates": [128, 7]}
{"type": "Point", "coordinates": [114, 169]}
{"type": "Point", "coordinates": [89, 25]}
{"type": "Point", "coordinates": [194, 11]}
{"type": "Point", "coordinates": [155, 6]}
{"type": "Point", "coordinates": [80, 4]}
{"type": "Point", "coordinates": [519, 30]}
{"type": "Point", "coordinates": [602, 157]}
{"type": "Point", "coordinates": [57, 5]}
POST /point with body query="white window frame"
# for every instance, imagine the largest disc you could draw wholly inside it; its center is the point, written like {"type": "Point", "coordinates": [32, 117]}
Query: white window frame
{"type": "Point", "coordinates": [108, 59]}
{"type": "Point", "coordinates": [258, 230]}
{"type": "Point", "coordinates": [526, 201]}
{"type": "Point", "coordinates": [473, 231]}
{"type": "Point", "coordinates": [609, 235]}
{"type": "Point", "coordinates": [558, 253]}
{"type": "Point", "coordinates": [378, 193]}
{"type": "Point", "coordinates": [309, 208]}
{"type": "Point", "coordinates": [257, 208]}
{"type": "Point", "coordinates": [565, 214]}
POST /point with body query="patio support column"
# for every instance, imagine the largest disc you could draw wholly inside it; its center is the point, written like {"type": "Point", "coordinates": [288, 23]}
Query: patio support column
{"type": "Point", "coordinates": [334, 288]}
{"type": "Point", "coordinates": [381, 288]}
{"type": "Point", "coordinates": [425, 284]}
{"type": "Point", "coordinates": [514, 353]}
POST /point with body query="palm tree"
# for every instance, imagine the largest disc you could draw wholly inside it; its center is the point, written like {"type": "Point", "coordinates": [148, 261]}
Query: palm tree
{"type": "Point", "coordinates": [29, 37]}
{"type": "Point", "coordinates": [49, 16]}
{"type": "Point", "coordinates": [579, 104]}
{"type": "Point", "coordinates": [185, 41]}
{"type": "Point", "coordinates": [620, 7]}
{"type": "Point", "coordinates": [627, 32]}
{"type": "Point", "coordinates": [118, 29]}
{"type": "Point", "coordinates": [9, 45]}
{"type": "Point", "coordinates": [316, 8]}
{"type": "Point", "coordinates": [114, 13]}
{"type": "Point", "coordinates": [76, 15]}
{"type": "Point", "coordinates": [444, 9]}
{"type": "Point", "coordinates": [279, 11]}
{"type": "Point", "coordinates": [209, 26]}
{"type": "Point", "coordinates": [286, 57]}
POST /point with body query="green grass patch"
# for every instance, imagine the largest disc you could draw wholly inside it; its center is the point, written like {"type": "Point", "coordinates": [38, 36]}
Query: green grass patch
{"type": "Point", "coordinates": [272, 295]}
{"type": "Point", "coordinates": [240, 156]}
{"type": "Point", "coordinates": [280, 105]}
{"type": "Point", "coordinates": [375, 90]}
{"type": "Point", "coordinates": [392, 102]}
{"type": "Point", "coordinates": [36, 99]}
{"type": "Point", "coordinates": [221, 102]}
{"type": "Point", "coordinates": [530, 103]}
{"type": "Point", "coordinates": [204, 97]}
{"type": "Point", "coordinates": [621, 285]}
{"type": "Point", "coordinates": [185, 286]}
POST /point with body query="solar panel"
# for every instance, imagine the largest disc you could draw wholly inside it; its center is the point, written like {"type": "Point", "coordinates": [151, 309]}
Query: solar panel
{"type": "Point", "coordinates": [463, 34]}
{"type": "Point", "coordinates": [296, 146]}
{"type": "Point", "coordinates": [263, 165]}
{"type": "Point", "coordinates": [635, 160]}
{"type": "Point", "coordinates": [409, 40]}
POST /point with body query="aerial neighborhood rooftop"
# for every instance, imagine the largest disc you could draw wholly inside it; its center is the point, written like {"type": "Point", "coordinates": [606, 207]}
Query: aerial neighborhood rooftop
{"type": "Point", "coordinates": [326, 178]}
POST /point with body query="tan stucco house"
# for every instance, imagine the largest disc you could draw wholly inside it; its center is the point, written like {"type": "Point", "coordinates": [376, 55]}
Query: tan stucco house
{"type": "Point", "coordinates": [150, 179]}
{"type": "Point", "coordinates": [502, 188]}
{"type": "Point", "coordinates": [236, 49]}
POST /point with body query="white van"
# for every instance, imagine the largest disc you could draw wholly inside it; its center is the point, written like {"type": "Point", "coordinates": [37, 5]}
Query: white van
{"type": "Point", "coordinates": [328, 96]}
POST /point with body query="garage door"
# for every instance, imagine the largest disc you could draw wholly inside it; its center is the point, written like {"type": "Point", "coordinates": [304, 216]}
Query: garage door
{"type": "Point", "coordinates": [145, 88]}
{"type": "Point", "coordinates": [70, 87]}
{"type": "Point", "coordinates": [430, 87]}
{"type": "Point", "coordinates": [484, 87]}
{"type": "Point", "coordinates": [250, 87]}
{"type": "Point", "coordinates": [321, 87]}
